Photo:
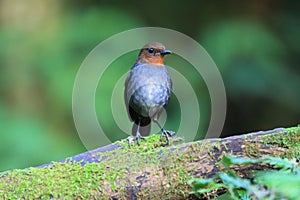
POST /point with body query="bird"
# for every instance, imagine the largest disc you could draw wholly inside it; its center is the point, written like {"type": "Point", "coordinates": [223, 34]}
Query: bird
{"type": "Point", "coordinates": [147, 90]}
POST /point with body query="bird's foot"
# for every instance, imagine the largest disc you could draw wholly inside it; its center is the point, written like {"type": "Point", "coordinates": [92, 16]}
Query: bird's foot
{"type": "Point", "coordinates": [130, 140]}
{"type": "Point", "coordinates": [167, 134]}
{"type": "Point", "coordinates": [137, 138]}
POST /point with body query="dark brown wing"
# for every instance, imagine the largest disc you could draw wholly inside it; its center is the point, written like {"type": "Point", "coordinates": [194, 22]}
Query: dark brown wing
{"type": "Point", "coordinates": [132, 114]}
{"type": "Point", "coordinates": [125, 97]}
{"type": "Point", "coordinates": [145, 123]}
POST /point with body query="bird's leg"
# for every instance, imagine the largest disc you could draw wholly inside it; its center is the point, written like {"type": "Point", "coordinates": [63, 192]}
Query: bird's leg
{"type": "Point", "coordinates": [163, 131]}
{"type": "Point", "coordinates": [138, 135]}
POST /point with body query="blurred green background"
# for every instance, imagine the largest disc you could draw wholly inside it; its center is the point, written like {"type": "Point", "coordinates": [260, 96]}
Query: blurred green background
{"type": "Point", "coordinates": [255, 45]}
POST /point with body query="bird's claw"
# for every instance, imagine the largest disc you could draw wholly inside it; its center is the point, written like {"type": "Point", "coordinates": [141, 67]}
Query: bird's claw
{"type": "Point", "coordinates": [138, 138]}
{"type": "Point", "coordinates": [167, 134]}
{"type": "Point", "coordinates": [130, 141]}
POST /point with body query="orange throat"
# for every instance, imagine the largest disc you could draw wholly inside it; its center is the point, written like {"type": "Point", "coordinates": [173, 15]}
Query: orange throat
{"type": "Point", "coordinates": [159, 61]}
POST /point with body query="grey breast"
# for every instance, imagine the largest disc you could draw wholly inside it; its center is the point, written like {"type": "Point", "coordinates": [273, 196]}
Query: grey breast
{"type": "Point", "coordinates": [148, 89]}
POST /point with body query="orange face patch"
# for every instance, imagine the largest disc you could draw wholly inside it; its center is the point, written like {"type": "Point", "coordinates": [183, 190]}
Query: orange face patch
{"type": "Point", "coordinates": [151, 58]}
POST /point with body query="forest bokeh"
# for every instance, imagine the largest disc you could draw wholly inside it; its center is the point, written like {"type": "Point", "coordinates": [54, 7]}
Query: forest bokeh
{"type": "Point", "coordinates": [255, 45]}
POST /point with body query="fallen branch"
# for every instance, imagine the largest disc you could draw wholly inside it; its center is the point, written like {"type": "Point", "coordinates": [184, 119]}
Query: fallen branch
{"type": "Point", "coordinates": [154, 172]}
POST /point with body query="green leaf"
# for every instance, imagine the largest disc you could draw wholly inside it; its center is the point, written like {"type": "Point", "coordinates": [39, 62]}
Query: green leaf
{"type": "Point", "coordinates": [228, 160]}
{"type": "Point", "coordinates": [226, 196]}
{"type": "Point", "coordinates": [280, 183]}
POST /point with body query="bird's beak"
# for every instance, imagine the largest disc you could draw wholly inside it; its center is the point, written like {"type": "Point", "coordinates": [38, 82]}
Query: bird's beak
{"type": "Point", "coordinates": [165, 52]}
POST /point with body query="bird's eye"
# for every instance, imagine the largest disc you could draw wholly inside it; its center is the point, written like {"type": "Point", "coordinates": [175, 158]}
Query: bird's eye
{"type": "Point", "coordinates": [150, 50]}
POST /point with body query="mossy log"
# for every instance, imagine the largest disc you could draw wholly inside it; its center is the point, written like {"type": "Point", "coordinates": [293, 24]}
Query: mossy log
{"type": "Point", "coordinates": [155, 171]}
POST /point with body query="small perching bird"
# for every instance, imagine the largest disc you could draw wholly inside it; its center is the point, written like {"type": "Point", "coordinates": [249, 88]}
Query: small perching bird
{"type": "Point", "coordinates": [147, 90]}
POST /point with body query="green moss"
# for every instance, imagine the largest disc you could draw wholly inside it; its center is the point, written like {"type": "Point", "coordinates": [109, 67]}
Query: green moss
{"type": "Point", "coordinates": [290, 139]}
{"type": "Point", "coordinates": [217, 144]}
{"type": "Point", "coordinates": [152, 142]}
{"type": "Point", "coordinates": [97, 180]}
{"type": "Point", "coordinates": [251, 149]}
{"type": "Point", "coordinates": [62, 180]}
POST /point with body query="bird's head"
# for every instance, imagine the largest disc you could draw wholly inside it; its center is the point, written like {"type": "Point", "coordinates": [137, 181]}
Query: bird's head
{"type": "Point", "coordinates": [153, 53]}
